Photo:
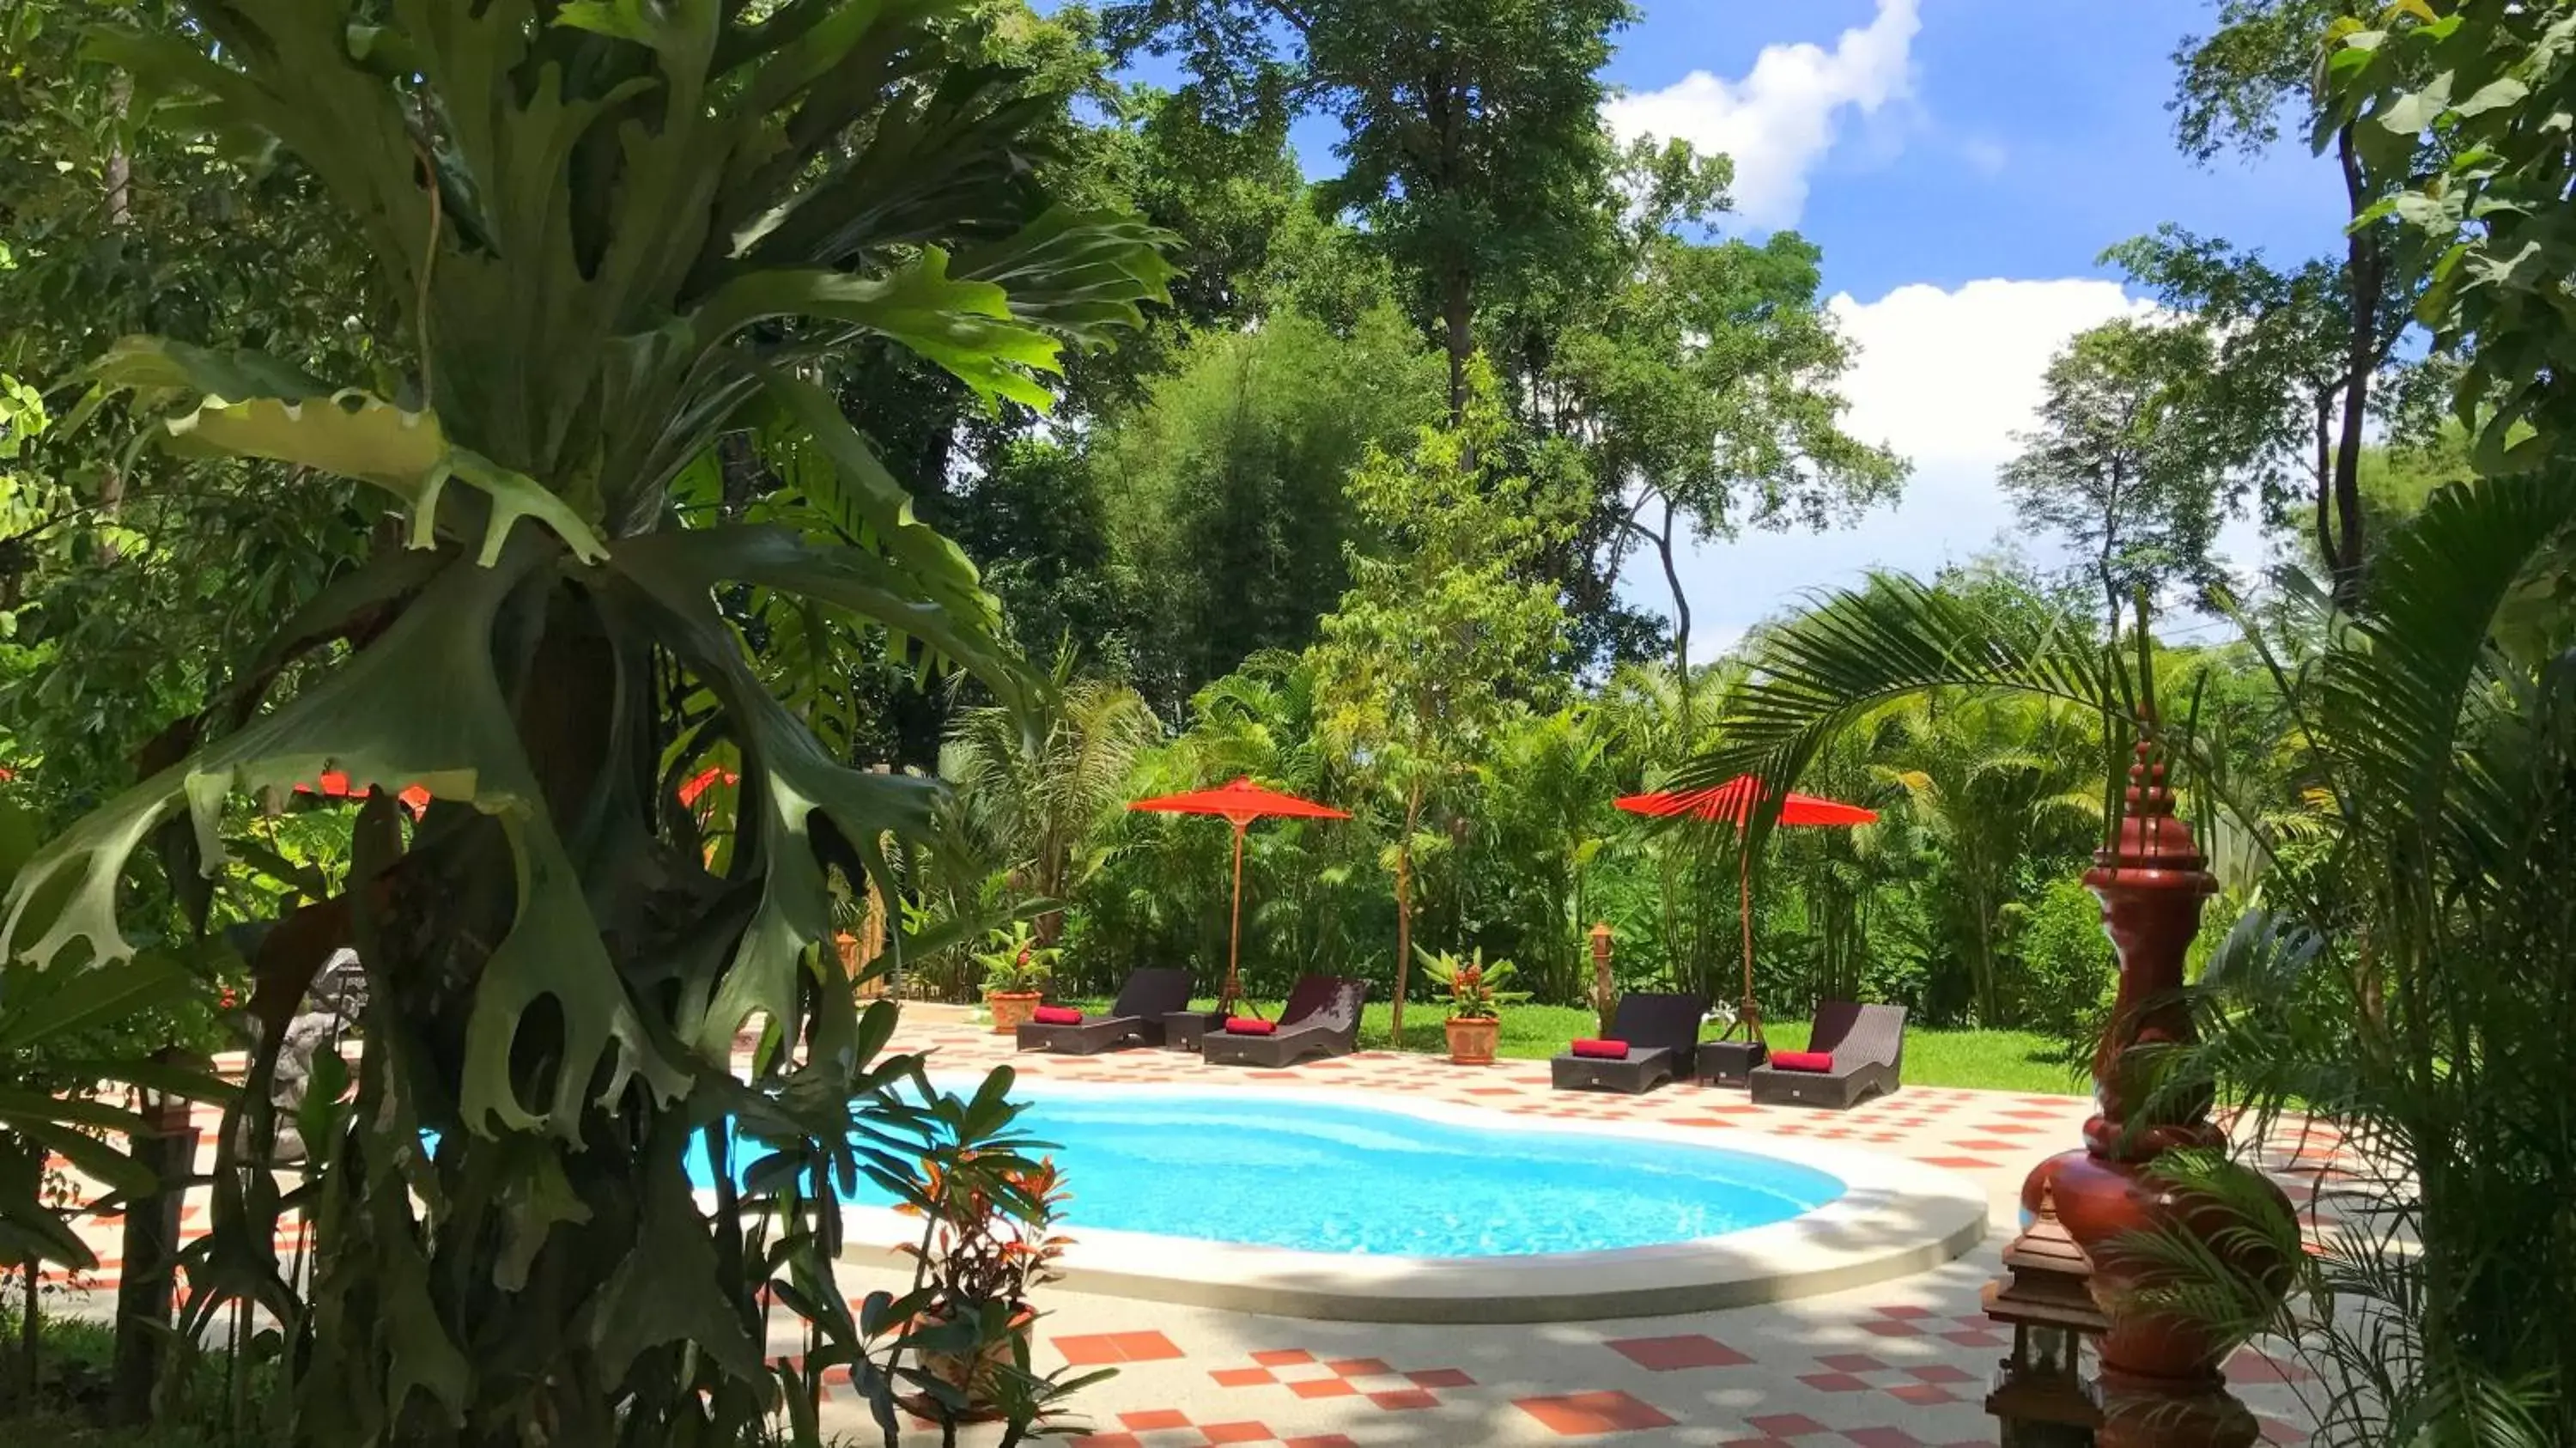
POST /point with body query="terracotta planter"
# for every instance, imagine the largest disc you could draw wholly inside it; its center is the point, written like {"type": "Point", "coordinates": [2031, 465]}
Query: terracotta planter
{"type": "Point", "coordinates": [972, 1376]}
{"type": "Point", "coordinates": [1471, 1041]}
{"type": "Point", "coordinates": [1012, 1009]}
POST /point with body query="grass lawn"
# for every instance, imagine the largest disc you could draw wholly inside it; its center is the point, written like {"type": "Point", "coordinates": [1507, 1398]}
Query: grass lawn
{"type": "Point", "coordinates": [1984, 1060]}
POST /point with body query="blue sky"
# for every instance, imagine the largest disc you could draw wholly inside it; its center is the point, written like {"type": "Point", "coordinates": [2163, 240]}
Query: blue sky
{"type": "Point", "coordinates": [1962, 163]}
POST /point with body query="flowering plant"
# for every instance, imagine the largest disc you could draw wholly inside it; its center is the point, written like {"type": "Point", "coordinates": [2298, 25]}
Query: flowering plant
{"type": "Point", "coordinates": [1475, 986]}
{"type": "Point", "coordinates": [1017, 964]}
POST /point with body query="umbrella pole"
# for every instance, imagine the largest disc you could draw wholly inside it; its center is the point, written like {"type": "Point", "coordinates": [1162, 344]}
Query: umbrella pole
{"type": "Point", "coordinates": [1747, 1012]}
{"type": "Point", "coordinates": [1234, 935]}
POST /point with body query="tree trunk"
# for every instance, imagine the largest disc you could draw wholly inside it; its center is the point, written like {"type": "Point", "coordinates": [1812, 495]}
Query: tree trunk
{"type": "Point", "coordinates": [151, 1239]}
{"type": "Point", "coordinates": [2368, 273]}
{"type": "Point", "coordinates": [30, 1334]}
{"type": "Point", "coordinates": [1458, 319]}
{"type": "Point", "coordinates": [1404, 911]}
{"type": "Point", "coordinates": [2327, 553]}
{"type": "Point", "coordinates": [1681, 628]}
{"type": "Point", "coordinates": [2110, 548]}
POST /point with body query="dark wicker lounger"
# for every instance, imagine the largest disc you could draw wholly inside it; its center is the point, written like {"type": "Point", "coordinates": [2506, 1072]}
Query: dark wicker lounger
{"type": "Point", "coordinates": [1868, 1046]}
{"type": "Point", "coordinates": [1662, 1032]}
{"type": "Point", "coordinates": [1322, 1018]}
{"type": "Point", "coordinates": [1135, 1019]}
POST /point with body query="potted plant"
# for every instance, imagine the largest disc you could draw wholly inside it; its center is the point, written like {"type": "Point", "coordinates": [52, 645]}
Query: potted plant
{"type": "Point", "coordinates": [960, 1339]}
{"type": "Point", "coordinates": [1015, 976]}
{"type": "Point", "coordinates": [989, 1246]}
{"type": "Point", "coordinates": [1476, 1001]}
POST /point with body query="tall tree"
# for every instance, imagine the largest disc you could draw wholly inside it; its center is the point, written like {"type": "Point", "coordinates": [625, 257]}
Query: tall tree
{"type": "Point", "coordinates": [1702, 382]}
{"type": "Point", "coordinates": [2236, 90]}
{"type": "Point", "coordinates": [2281, 385]}
{"type": "Point", "coordinates": [1224, 493]}
{"type": "Point", "coordinates": [1442, 636]}
{"type": "Point", "coordinates": [2122, 464]}
{"type": "Point", "coordinates": [1474, 149]}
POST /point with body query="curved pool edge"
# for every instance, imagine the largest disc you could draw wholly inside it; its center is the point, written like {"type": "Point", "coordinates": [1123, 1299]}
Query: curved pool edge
{"type": "Point", "coordinates": [1896, 1217]}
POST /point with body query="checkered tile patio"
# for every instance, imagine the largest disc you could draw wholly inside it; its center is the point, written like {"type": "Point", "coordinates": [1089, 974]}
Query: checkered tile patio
{"type": "Point", "coordinates": [1900, 1365]}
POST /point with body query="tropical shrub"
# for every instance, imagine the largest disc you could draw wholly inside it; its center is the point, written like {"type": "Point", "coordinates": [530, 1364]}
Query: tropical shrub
{"type": "Point", "coordinates": [614, 235]}
{"type": "Point", "coordinates": [1016, 964]}
{"type": "Point", "coordinates": [2402, 983]}
{"type": "Point", "coordinates": [1474, 984]}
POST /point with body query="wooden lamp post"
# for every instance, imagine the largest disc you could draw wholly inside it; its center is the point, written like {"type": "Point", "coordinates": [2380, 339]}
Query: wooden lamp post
{"type": "Point", "coordinates": [2158, 1383]}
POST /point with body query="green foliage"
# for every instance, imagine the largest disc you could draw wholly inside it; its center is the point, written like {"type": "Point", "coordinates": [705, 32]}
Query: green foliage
{"type": "Point", "coordinates": [1225, 493]}
{"type": "Point", "coordinates": [1435, 646]}
{"type": "Point", "coordinates": [2067, 965]}
{"type": "Point", "coordinates": [1481, 177]}
{"type": "Point", "coordinates": [1016, 963]}
{"type": "Point", "coordinates": [640, 231]}
{"type": "Point", "coordinates": [1474, 984]}
{"type": "Point", "coordinates": [2125, 464]}
{"type": "Point", "coordinates": [1703, 378]}
{"type": "Point", "coordinates": [2453, 107]}
{"type": "Point", "coordinates": [2390, 976]}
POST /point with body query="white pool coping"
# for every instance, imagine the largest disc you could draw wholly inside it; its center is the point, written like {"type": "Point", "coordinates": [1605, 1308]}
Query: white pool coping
{"type": "Point", "coordinates": [1896, 1217]}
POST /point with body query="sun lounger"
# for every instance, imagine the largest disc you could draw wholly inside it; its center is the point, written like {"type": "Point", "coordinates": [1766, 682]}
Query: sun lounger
{"type": "Point", "coordinates": [1867, 1047]}
{"type": "Point", "coordinates": [1322, 1018]}
{"type": "Point", "coordinates": [1661, 1031]}
{"type": "Point", "coordinates": [1135, 1019]}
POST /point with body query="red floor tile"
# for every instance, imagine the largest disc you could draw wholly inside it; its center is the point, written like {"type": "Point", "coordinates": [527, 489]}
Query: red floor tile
{"type": "Point", "coordinates": [1787, 1425]}
{"type": "Point", "coordinates": [1922, 1395]}
{"type": "Point", "coordinates": [1404, 1400]}
{"type": "Point", "coordinates": [1324, 1388]}
{"type": "Point", "coordinates": [1883, 1438]}
{"type": "Point", "coordinates": [1150, 1419]}
{"type": "Point", "coordinates": [1669, 1354]}
{"type": "Point", "coordinates": [1961, 1163]}
{"type": "Point", "coordinates": [1321, 1440]}
{"type": "Point", "coordinates": [1242, 1377]}
{"type": "Point", "coordinates": [1578, 1413]}
{"type": "Point", "coordinates": [1281, 1357]}
{"type": "Point", "coordinates": [1852, 1362]}
{"type": "Point", "coordinates": [1237, 1432]}
{"type": "Point", "coordinates": [1361, 1367]}
{"type": "Point", "coordinates": [1834, 1383]}
{"type": "Point", "coordinates": [1145, 1347]}
{"type": "Point", "coordinates": [1089, 1350]}
{"type": "Point", "coordinates": [1441, 1378]}
{"type": "Point", "coordinates": [1941, 1373]}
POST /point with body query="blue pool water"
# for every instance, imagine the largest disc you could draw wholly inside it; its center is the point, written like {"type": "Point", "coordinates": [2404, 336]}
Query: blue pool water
{"type": "Point", "coordinates": [1265, 1171]}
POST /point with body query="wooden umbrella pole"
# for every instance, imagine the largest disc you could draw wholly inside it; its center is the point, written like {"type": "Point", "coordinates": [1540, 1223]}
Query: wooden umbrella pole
{"type": "Point", "coordinates": [1748, 1011]}
{"type": "Point", "coordinates": [1234, 934]}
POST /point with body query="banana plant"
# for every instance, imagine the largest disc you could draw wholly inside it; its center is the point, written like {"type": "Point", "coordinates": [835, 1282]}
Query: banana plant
{"type": "Point", "coordinates": [615, 234]}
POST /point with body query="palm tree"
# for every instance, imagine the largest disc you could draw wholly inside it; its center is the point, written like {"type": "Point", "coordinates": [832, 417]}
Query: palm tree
{"type": "Point", "coordinates": [616, 235]}
{"type": "Point", "coordinates": [2405, 978]}
{"type": "Point", "coordinates": [1992, 780]}
{"type": "Point", "coordinates": [1041, 794]}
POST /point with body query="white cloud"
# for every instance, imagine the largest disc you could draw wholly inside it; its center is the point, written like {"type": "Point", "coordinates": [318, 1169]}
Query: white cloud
{"type": "Point", "coordinates": [1946, 377]}
{"type": "Point", "coordinates": [1780, 120]}
{"type": "Point", "coordinates": [1943, 377]}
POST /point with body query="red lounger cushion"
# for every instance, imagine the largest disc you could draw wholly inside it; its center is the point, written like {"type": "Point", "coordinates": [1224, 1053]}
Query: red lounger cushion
{"type": "Point", "coordinates": [1246, 1026]}
{"type": "Point", "coordinates": [1803, 1060]}
{"type": "Point", "coordinates": [1601, 1050]}
{"type": "Point", "coordinates": [1058, 1016]}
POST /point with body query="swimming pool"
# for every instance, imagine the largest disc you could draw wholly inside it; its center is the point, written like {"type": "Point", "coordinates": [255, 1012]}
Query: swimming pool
{"type": "Point", "coordinates": [1273, 1170]}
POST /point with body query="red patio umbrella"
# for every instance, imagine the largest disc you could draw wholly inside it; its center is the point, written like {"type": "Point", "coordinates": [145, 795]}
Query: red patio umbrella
{"type": "Point", "coordinates": [1241, 803]}
{"type": "Point", "coordinates": [1733, 801]}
